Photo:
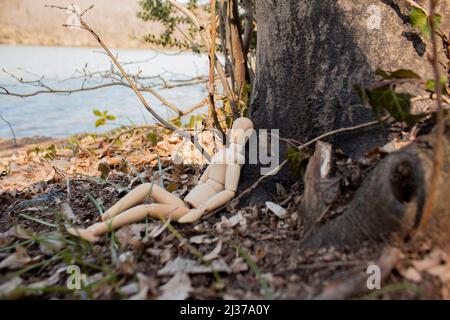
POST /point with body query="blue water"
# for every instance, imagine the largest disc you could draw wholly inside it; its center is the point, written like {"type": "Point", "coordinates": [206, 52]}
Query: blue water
{"type": "Point", "coordinates": [57, 115]}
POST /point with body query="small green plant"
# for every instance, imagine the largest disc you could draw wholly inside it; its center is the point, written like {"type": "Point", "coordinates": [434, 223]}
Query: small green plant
{"type": "Point", "coordinates": [383, 97]}
{"type": "Point", "coordinates": [430, 85]}
{"type": "Point", "coordinates": [298, 160]}
{"type": "Point", "coordinates": [48, 153]}
{"type": "Point", "coordinates": [163, 12]}
{"type": "Point", "coordinates": [198, 119]}
{"type": "Point", "coordinates": [421, 20]}
{"type": "Point", "coordinates": [153, 137]}
{"type": "Point", "coordinates": [103, 117]}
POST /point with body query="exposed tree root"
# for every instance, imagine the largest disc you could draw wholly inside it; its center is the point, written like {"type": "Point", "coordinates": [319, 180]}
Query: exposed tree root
{"type": "Point", "coordinates": [389, 202]}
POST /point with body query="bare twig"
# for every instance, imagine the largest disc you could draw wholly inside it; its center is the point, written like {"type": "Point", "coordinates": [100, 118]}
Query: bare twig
{"type": "Point", "coordinates": [206, 42]}
{"type": "Point", "coordinates": [212, 63]}
{"type": "Point", "coordinates": [144, 102]}
{"type": "Point", "coordinates": [248, 31]}
{"type": "Point", "coordinates": [414, 4]}
{"type": "Point", "coordinates": [11, 129]}
{"type": "Point", "coordinates": [440, 128]}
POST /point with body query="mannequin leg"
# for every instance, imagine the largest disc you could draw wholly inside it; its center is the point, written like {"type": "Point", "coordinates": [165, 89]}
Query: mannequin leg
{"type": "Point", "coordinates": [138, 195]}
{"type": "Point", "coordinates": [132, 215]}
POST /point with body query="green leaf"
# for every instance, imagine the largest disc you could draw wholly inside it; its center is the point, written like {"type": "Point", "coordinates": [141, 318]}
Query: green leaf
{"type": "Point", "coordinates": [431, 86]}
{"type": "Point", "coordinates": [153, 138]}
{"type": "Point", "coordinates": [298, 160]}
{"type": "Point", "coordinates": [97, 113]}
{"type": "Point", "coordinates": [100, 122]}
{"type": "Point", "coordinates": [398, 74]}
{"type": "Point", "coordinates": [420, 20]}
{"type": "Point", "coordinates": [110, 117]}
{"type": "Point", "coordinates": [398, 105]}
{"type": "Point", "coordinates": [191, 122]}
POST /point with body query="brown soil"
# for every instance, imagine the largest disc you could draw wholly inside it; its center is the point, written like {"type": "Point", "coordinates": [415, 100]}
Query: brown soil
{"type": "Point", "coordinates": [261, 253]}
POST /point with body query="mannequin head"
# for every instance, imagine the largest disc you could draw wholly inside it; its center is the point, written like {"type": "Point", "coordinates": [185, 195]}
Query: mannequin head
{"type": "Point", "coordinates": [241, 131]}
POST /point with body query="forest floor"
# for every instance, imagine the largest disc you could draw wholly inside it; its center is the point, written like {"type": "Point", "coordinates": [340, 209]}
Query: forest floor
{"type": "Point", "coordinates": [243, 252]}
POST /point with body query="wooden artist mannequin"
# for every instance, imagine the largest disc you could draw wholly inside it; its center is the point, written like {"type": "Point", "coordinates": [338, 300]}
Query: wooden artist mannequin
{"type": "Point", "coordinates": [217, 186]}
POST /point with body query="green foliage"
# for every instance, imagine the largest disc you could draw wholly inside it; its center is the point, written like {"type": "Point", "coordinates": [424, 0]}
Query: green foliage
{"type": "Point", "coordinates": [153, 137]}
{"type": "Point", "coordinates": [421, 20]}
{"type": "Point", "coordinates": [398, 74]}
{"type": "Point", "coordinates": [103, 117]}
{"type": "Point", "coordinates": [386, 99]}
{"type": "Point", "coordinates": [193, 120]}
{"type": "Point", "coordinates": [430, 85]}
{"type": "Point", "coordinates": [162, 11]}
{"type": "Point", "coordinates": [48, 153]}
{"type": "Point", "coordinates": [298, 160]}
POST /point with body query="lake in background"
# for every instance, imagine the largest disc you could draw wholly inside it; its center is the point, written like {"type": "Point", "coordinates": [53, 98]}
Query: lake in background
{"type": "Point", "coordinates": [57, 115]}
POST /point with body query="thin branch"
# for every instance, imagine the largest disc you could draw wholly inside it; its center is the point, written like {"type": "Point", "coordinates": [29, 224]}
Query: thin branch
{"type": "Point", "coordinates": [212, 63]}
{"type": "Point", "coordinates": [11, 129]}
{"type": "Point", "coordinates": [144, 102]}
{"type": "Point", "coordinates": [414, 4]}
{"type": "Point", "coordinates": [440, 128]}
{"type": "Point", "coordinates": [206, 42]}
{"type": "Point", "coordinates": [249, 27]}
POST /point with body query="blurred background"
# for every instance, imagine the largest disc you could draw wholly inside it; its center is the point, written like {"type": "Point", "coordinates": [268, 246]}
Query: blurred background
{"type": "Point", "coordinates": [53, 78]}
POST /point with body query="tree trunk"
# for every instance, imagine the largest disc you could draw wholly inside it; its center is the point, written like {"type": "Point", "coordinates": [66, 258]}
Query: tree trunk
{"type": "Point", "coordinates": [311, 53]}
{"type": "Point", "coordinates": [389, 202]}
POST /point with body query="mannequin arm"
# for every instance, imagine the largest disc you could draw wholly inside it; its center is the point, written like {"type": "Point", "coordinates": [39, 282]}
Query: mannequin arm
{"type": "Point", "coordinates": [220, 199]}
{"type": "Point", "coordinates": [205, 175]}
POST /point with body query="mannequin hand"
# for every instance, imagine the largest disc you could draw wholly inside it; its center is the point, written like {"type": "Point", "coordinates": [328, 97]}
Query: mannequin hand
{"type": "Point", "coordinates": [192, 216]}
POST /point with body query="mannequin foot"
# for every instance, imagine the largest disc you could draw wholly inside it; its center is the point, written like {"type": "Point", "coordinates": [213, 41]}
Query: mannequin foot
{"type": "Point", "coordinates": [192, 216]}
{"type": "Point", "coordinates": [83, 234]}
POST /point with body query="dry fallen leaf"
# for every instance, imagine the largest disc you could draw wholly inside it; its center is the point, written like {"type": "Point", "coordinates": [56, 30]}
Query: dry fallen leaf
{"type": "Point", "coordinates": [228, 223]}
{"type": "Point", "coordinates": [434, 258]}
{"type": "Point", "coordinates": [279, 211]}
{"type": "Point", "coordinates": [68, 213]}
{"type": "Point", "coordinates": [8, 289]}
{"type": "Point", "coordinates": [145, 284]}
{"type": "Point", "coordinates": [411, 274]}
{"type": "Point", "coordinates": [48, 282]}
{"type": "Point", "coordinates": [17, 231]}
{"type": "Point", "coordinates": [157, 231]}
{"type": "Point", "coordinates": [18, 259]}
{"type": "Point", "coordinates": [177, 288]}
{"type": "Point", "coordinates": [239, 265]}
{"type": "Point", "coordinates": [52, 243]}
{"type": "Point", "coordinates": [129, 289]}
{"type": "Point", "coordinates": [214, 253]}
{"type": "Point", "coordinates": [203, 239]}
{"type": "Point", "coordinates": [192, 267]}
{"type": "Point", "coordinates": [126, 263]}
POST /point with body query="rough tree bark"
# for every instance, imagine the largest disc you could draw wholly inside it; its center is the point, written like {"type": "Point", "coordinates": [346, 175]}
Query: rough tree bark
{"type": "Point", "coordinates": [389, 202]}
{"type": "Point", "coordinates": [309, 56]}
{"type": "Point", "coordinates": [311, 53]}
